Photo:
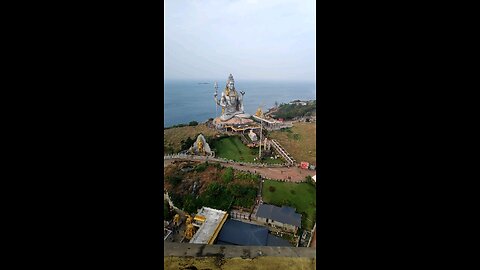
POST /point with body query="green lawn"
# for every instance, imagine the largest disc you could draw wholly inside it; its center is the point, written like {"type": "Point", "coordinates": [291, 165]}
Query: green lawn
{"type": "Point", "coordinates": [302, 196]}
{"type": "Point", "coordinates": [232, 148]}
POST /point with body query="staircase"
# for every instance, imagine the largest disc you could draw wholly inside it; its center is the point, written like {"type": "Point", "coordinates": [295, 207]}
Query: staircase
{"type": "Point", "coordinates": [283, 152]}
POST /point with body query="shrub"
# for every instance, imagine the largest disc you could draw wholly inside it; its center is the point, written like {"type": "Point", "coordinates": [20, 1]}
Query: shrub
{"type": "Point", "coordinates": [174, 180]}
{"type": "Point", "coordinates": [186, 144]}
{"type": "Point", "coordinates": [271, 188]}
{"type": "Point", "coordinates": [201, 167]}
{"type": "Point", "coordinates": [228, 175]}
{"type": "Point", "coordinates": [193, 123]}
{"type": "Point", "coordinates": [190, 204]}
{"type": "Point", "coordinates": [214, 189]}
{"type": "Point", "coordinates": [236, 190]}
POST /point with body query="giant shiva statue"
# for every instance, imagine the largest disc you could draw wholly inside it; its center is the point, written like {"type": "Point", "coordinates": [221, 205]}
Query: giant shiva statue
{"type": "Point", "coordinates": [231, 101]}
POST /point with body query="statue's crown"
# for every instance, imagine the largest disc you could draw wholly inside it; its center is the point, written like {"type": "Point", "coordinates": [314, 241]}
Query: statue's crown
{"type": "Point", "coordinates": [230, 78]}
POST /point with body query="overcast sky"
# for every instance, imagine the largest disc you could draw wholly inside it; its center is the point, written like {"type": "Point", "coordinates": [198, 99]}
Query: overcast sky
{"type": "Point", "coordinates": [263, 39]}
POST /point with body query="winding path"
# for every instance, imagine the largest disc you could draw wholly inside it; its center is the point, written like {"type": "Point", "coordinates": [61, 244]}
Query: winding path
{"type": "Point", "coordinates": [292, 174]}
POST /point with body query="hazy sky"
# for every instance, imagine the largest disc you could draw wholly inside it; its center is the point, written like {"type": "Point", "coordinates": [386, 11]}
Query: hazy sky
{"type": "Point", "coordinates": [263, 39]}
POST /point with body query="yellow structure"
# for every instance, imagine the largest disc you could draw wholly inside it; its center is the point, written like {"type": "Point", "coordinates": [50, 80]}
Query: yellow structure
{"type": "Point", "coordinates": [190, 231]}
{"type": "Point", "coordinates": [176, 219]}
{"type": "Point", "coordinates": [199, 218]}
{"type": "Point", "coordinates": [189, 220]}
{"type": "Point", "coordinates": [200, 145]}
{"type": "Point", "coordinates": [259, 112]}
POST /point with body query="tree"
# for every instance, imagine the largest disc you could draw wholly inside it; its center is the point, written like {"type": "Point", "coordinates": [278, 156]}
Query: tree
{"type": "Point", "coordinates": [186, 144]}
{"type": "Point", "coordinates": [166, 211]}
{"type": "Point", "coordinates": [174, 180]}
{"type": "Point", "coordinates": [193, 123]}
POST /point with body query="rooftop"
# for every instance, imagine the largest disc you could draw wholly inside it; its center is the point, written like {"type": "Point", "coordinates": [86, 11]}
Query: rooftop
{"type": "Point", "coordinates": [265, 120]}
{"type": "Point", "coordinates": [235, 232]}
{"type": "Point", "coordinates": [284, 214]}
{"type": "Point", "coordinates": [209, 229]}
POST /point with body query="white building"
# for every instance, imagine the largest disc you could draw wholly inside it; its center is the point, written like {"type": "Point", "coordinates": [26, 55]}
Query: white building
{"type": "Point", "coordinates": [209, 221]}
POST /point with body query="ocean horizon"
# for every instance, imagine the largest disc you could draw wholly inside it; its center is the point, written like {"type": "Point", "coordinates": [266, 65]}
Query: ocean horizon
{"type": "Point", "coordinates": [191, 100]}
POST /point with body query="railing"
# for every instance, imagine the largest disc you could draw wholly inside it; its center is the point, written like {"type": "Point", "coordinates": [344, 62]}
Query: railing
{"type": "Point", "coordinates": [283, 152]}
{"type": "Point", "coordinates": [223, 160]}
{"type": "Point", "coordinates": [311, 234]}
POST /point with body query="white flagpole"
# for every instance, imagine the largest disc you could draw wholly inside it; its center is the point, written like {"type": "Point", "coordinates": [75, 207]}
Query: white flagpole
{"type": "Point", "coordinates": [216, 104]}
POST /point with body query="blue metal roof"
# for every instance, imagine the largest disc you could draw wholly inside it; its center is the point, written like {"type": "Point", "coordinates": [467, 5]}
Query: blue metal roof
{"type": "Point", "coordinates": [282, 214]}
{"type": "Point", "coordinates": [276, 241]}
{"type": "Point", "coordinates": [235, 232]}
{"type": "Point", "coordinates": [243, 234]}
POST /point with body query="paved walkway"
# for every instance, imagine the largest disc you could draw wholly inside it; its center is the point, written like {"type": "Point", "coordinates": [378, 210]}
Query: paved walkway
{"type": "Point", "coordinates": [292, 174]}
{"type": "Point", "coordinates": [230, 251]}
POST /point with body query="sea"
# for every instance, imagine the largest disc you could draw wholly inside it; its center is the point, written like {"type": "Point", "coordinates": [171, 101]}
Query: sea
{"type": "Point", "coordinates": [189, 100]}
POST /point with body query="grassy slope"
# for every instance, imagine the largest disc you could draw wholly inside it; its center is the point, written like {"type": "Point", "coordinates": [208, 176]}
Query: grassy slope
{"type": "Point", "coordinates": [304, 198]}
{"type": "Point", "coordinates": [299, 148]}
{"type": "Point", "coordinates": [233, 148]}
{"type": "Point", "coordinates": [174, 136]}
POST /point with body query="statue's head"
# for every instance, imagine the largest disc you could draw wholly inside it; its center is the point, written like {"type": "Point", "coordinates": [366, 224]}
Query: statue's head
{"type": "Point", "coordinates": [230, 82]}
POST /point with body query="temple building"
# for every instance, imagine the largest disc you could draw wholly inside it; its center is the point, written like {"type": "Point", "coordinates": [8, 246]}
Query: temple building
{"type": "Point", "coordinates": [201, 147]}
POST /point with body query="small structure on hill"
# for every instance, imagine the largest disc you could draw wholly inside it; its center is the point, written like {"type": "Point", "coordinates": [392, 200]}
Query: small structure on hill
{"type": "Point", "coordinates": [252, 136]}
{"type": "Point", "coordinates": [201, 147]}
